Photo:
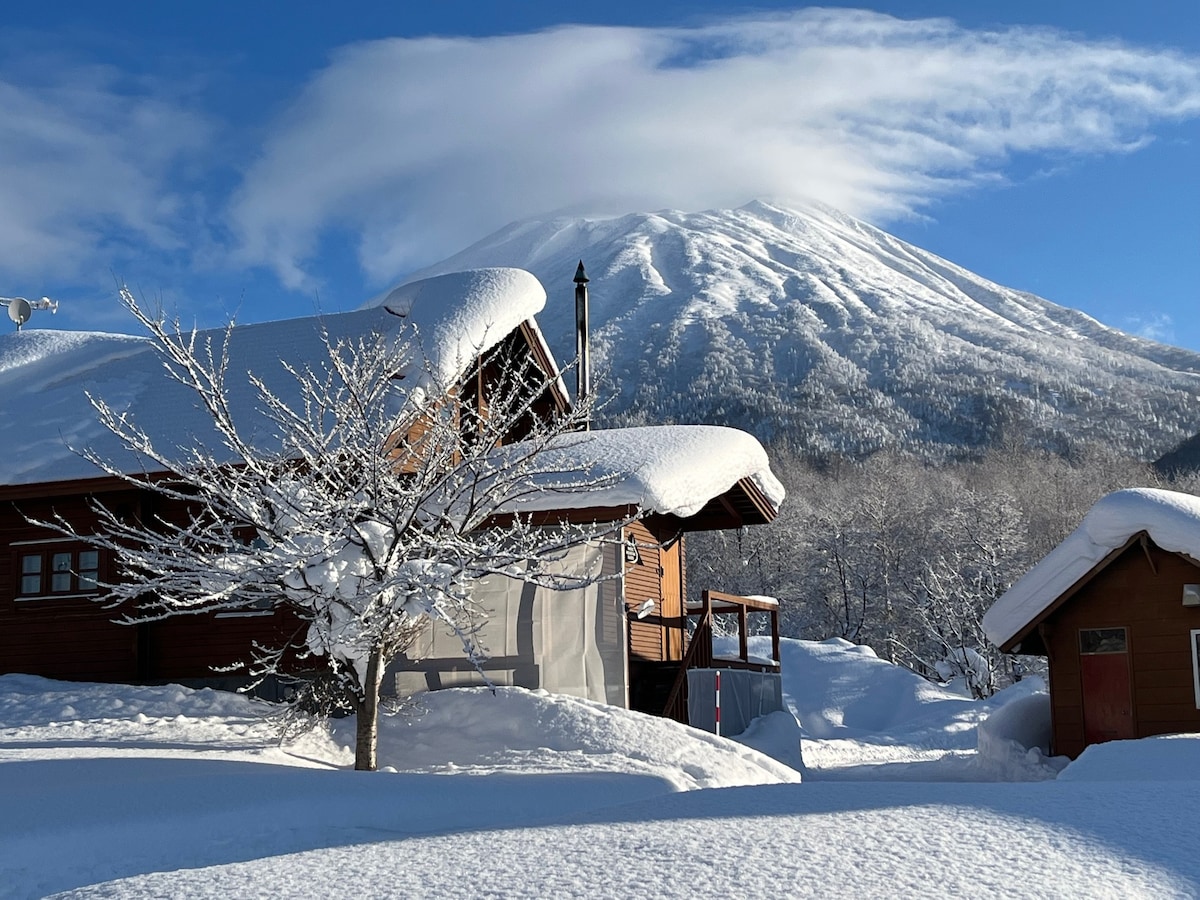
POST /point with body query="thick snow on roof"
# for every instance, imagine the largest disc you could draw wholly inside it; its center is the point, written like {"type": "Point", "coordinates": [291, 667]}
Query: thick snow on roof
{"type": "Point", "coordinates": [461, 314]}
{"type": "Point", "coordinates": [1172, 520]}
{"type": "Point", "coordinates": [45, 375]}
{"type": "Point", "coordinates": [670, 469]}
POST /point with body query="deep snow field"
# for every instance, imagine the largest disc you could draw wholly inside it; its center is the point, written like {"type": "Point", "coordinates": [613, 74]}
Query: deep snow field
{"type": "Point", "coordinates": [114, 791]}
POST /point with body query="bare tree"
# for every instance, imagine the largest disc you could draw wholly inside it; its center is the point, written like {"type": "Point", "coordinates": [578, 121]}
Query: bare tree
{"type": "Point", "coordinates": [979, 549]}
{"type": "Point", "coordinates": [367, 498]}
{"type": "Point", "coordinates": [905, 556]}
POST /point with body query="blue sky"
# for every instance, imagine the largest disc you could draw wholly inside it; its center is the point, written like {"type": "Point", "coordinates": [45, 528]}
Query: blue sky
{"type": "Point", "coordinates": [270, 159]}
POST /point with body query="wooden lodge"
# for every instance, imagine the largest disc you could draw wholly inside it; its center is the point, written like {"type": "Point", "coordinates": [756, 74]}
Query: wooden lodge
{"type": "Point", "coordinates": [624, 641]}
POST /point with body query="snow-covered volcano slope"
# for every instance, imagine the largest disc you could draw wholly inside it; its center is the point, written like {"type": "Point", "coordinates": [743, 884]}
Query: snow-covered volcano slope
{"type": "Point", "coordinates": [811, 323]}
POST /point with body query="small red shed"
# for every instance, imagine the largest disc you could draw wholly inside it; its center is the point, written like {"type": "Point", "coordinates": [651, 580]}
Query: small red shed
{"type": "Point", "coordinates": [1115, 609]}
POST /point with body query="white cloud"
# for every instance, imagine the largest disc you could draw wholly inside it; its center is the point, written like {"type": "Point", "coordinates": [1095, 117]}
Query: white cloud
{"type": "Point", "coordinates": [87, 160]}
{"type": "Point", "coordinates": [419, 145]}
{"type": "Point", "coordinates": [1154, 326]}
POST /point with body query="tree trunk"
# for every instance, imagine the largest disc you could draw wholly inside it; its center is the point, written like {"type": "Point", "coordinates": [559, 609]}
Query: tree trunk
{"type": "Point", "coordinates": [366, 741]}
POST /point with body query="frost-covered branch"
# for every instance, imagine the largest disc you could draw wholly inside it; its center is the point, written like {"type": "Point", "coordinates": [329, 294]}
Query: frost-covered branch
{"type": "Point", "coordinates": [365, 496]}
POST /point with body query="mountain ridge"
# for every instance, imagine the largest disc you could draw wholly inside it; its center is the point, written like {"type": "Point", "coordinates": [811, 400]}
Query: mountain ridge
{"type": "Point", "coordinates": [809, 325]}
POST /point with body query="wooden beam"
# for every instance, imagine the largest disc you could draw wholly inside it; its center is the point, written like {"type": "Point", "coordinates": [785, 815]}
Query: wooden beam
{"type": "Point", "coordinates": [1145, 542]}
{"type": "Point", "coordinates": [731, 602]}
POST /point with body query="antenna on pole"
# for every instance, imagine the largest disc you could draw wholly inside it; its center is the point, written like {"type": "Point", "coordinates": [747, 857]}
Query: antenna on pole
{"type": "Point", "coordinates": [583, 375]}
{"type": "Point", "coordinates": [20, 309]}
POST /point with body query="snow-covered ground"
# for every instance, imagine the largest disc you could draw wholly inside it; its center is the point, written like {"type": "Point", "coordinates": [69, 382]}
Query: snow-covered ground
{"type": "Point", "coordinates": [115, 791]}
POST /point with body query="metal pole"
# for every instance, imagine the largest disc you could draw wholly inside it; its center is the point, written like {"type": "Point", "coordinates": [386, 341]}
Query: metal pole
{"type": "Point", "coordinates": [583, 375]}
{"type": "Point", "coordinates": [717, 708]}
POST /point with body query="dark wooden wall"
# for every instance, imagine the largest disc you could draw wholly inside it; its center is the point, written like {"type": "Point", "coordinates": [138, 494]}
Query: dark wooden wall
{"type": "Point", "coordinates": [77, 638]}
{"type": "Point", "coordinates": [1129, 594]}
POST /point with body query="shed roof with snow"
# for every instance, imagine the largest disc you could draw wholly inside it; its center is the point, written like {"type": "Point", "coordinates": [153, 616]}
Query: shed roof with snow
{"type": "Point", "coordinates": [675, 470]}
{"type": "Point", "coordinates": [1169, 518]}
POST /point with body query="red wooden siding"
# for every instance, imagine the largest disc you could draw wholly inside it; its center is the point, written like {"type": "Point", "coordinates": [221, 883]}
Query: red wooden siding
{"type": "Point", "coordinates": [1146, 600]}
{"type": "Point", "coordinates": [78, 638]}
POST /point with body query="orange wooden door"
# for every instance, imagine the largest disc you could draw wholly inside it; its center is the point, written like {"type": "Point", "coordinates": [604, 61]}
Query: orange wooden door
{"type": "Point", "coordinates": [672, 602]}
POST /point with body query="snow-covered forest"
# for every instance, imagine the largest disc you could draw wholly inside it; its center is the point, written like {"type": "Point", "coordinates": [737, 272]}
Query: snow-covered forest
{"type": "Point", "coordinates": [906, 556]}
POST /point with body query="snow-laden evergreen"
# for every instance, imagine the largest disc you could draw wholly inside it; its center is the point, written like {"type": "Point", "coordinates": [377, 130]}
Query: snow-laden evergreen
{"type": "Point", "coordinates": [809, 324]}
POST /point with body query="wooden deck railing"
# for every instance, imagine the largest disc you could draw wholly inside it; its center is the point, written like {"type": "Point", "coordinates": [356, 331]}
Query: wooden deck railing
{"type": "Point", "coordinates": [699, 653]}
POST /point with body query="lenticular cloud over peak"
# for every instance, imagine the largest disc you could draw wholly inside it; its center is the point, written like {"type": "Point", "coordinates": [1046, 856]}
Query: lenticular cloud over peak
{"type": "Point", "coordinates": [421, 145]}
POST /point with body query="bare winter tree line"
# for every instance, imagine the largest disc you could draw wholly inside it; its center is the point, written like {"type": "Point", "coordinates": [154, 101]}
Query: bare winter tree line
{"type": "Point", "coordinates": [905, 556]}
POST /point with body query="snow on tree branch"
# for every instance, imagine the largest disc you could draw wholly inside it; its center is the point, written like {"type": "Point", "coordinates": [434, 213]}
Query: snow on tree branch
{"type": "Point", "coordinates": [362, 508]}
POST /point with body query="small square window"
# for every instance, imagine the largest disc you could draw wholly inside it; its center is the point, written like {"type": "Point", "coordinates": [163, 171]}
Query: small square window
{"type": "Point", "coordinates": [1102, 640]}
{"type": "Point", "coordinates": [89, 569]}
{"type": "Point", "coordinates": [60, 573]}
{"type": "Point", "coordinates": [31, 573]}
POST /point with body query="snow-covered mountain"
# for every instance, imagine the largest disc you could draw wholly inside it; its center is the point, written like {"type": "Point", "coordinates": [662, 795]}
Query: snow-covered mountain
{"type": "Point", "coordinates": [811, 325]}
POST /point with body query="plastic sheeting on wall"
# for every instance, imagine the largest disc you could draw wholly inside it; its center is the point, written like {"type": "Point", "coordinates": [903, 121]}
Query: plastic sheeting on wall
{"type": "Point", "coordinates": [569, 642]}
{"type": "Point", "coordinates": [745, 695]}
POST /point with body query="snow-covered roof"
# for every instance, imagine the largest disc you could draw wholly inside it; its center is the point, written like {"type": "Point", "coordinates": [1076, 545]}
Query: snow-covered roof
{"type": "Point", "coordinates": [44, 410]}
{"type": "Point", "coordinates": [1170, 518]}
{"type": "Point", "coordinates": [668, 469]}
{"type": "Point", "coordinates": [461, 314]}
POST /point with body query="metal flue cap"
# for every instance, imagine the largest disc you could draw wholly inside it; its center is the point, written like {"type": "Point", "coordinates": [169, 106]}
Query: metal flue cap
{"type": "Point", "coordinates": [580, 274]}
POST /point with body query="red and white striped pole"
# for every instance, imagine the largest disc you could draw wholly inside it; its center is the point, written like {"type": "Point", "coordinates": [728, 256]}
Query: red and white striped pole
{"type": "Point", "coordinates": [717, 708]}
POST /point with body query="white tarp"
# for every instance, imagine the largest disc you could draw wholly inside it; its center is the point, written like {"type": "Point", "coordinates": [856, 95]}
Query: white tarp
{"type": "Point", "coordinates": [566, 641]}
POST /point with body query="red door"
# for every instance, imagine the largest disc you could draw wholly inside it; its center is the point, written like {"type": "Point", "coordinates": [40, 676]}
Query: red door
{"type": "Point", "coordinates": [1104, 678]}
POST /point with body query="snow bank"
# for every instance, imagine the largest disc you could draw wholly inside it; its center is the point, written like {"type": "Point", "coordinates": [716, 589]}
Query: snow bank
{"type": "Point", "coordinates": [865, 719]}
{"type": "Point", "coordinates": [1170, 757]}
{"type": "Point", "coordinates": [777, 735]}
{"type": "Point", "coordinates": [839, 689]}
{"type": "Point", "coordinates": [473, 730]}
{"type": "Point", "coordinates": [671, 469]}
{"type": "Point", "coordinates": [1172, 520]}
{"type": "Point", "coordinates": [60, 718]}
{"type": "Point", "coordinates": [1014, 741]}
{"type": "Point", "coordinates": [144, 779]}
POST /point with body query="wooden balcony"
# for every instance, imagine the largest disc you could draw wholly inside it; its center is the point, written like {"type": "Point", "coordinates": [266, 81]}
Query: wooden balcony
{"type": "Point", "coordinates": [699, 652]}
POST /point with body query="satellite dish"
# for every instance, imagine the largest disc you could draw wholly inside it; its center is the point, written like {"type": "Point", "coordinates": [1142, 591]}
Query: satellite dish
{"type": "Point", "coordinates": [645, 609]}
{"type": "Point", "coordinates": [19, 310]}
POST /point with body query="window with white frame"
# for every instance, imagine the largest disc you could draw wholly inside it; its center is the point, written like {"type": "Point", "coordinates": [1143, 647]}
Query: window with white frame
{"type": "Point", "coordinates": [56, 570]}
